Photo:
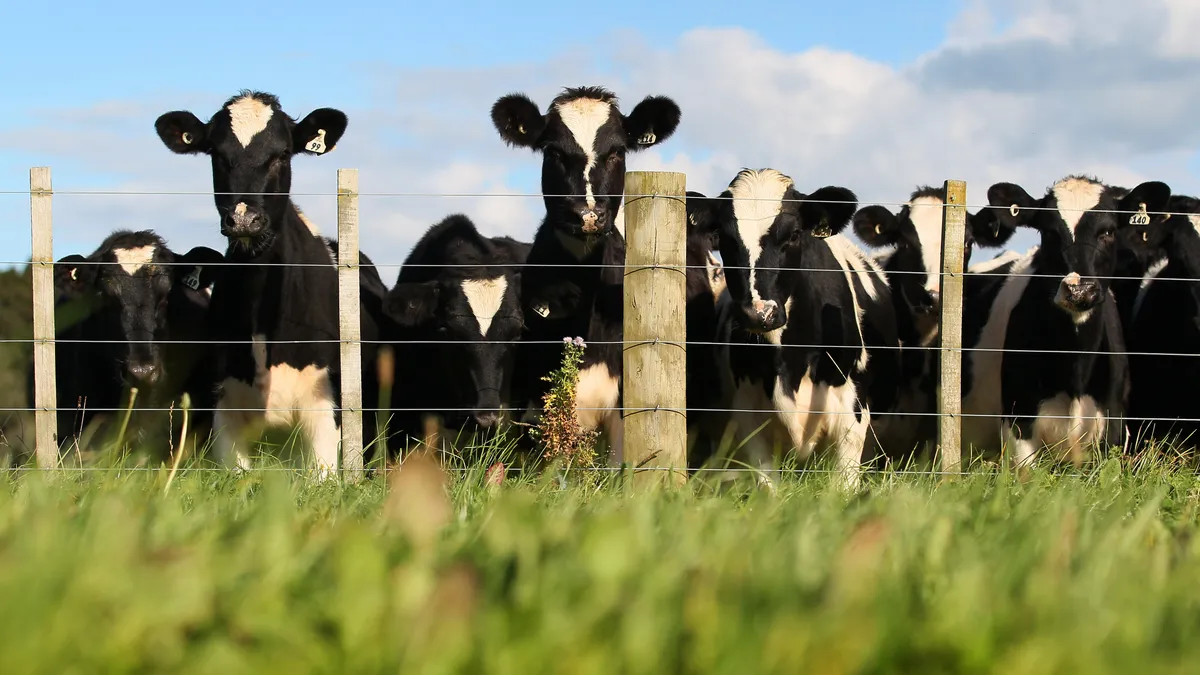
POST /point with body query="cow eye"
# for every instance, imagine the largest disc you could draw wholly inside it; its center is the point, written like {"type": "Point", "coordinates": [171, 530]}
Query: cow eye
{"type": "Point", "coordinates": [613, 158]}
{"type": "Point", "coordinates": [1106, 237]}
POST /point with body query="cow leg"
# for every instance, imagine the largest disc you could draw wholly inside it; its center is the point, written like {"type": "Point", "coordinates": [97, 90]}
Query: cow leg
{"type": "Point", "coordinates": [597, 394]}
{"type": "Point", "coordinates": [1019, 442]}
{"type": "Point", "coordinates": [304, 398]}
{"type": "Point", "coordinates": [239, 407]}
{"type": "Point", "coordinates": [323, 435]}
{"type": "Point", "coordinates": [614, 427]}
{"type": "Point", "coordinates": [850, 450]}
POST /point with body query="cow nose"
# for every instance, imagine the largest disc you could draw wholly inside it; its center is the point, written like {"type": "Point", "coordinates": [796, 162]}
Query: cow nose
{"type": "Point", "coordinates": [487, 419]}
{"type": "Point", "coordinates": [143, 373]}
{"type": "Point", "coordinates": [243, 220]}
{"type": "Point", "coordinates": [1079, 292]}
{"type": "Point", "coordinates": [933, 301]}
{"type": "Point", "coordinates": [592, 217]}
{"type": "Point", "coordinates": [766, 314]}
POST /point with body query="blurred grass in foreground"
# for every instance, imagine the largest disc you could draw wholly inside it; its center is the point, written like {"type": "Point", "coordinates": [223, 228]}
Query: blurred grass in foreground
{"type": "Point", "coordinates": [103, 571]}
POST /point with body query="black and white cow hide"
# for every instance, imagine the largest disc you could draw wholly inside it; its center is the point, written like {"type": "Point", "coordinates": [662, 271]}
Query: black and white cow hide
{"type": "Point", "coordinates": [131, 315]}
{"type": "Point", "coordinates": [458, 312]}
{"type": "Point", "coordinates": [909, 247]}
{"type": "Point", "coordinates": [572, 286]}
{"type": "Point", "coordinates": [810, 314]}
{"type": "Point", "coordinates": [276, 308]}
{"type": "Point", "coordinates": [1062, 380]}
{"type": "Point", "coordinates": [1163, 331]}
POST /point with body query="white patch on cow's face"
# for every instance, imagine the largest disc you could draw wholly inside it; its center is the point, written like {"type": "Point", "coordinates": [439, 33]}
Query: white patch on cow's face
{"type": "Point", "coordinates": [583, 117]}
{"type": "Point", "coordinates": [484, 297]}
{"type": "Point", "coordinates": [757, 201]}
{"type": "Point", "coordinates": [247, 117]}
{"type": "Point", "coordinates": [926, 216]}
{"type": "Point", "coordinates": [1194, 219]}
{"type": "Point", "coordinates": [133, 259]}
{"type": "Point", "coordinates": [1075, 196]}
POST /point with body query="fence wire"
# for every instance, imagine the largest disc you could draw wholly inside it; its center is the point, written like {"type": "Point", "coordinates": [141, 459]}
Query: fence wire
{"type": "Point", "coordinates": [874, 267]}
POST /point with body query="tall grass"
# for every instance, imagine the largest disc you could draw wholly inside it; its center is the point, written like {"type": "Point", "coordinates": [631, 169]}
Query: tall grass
{"type": "Point", "coordinates": [265, 572]}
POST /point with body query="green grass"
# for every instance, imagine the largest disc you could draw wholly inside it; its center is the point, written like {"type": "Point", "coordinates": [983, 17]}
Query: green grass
{"type": "Point", "coordinates": [104, 571]}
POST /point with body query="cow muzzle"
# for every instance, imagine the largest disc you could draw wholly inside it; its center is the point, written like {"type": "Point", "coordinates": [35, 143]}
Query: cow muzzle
{"type": "Point", "coordinates": [764, 316]}
{"type": "Point", "coordinates": [143, 374]}
{"type": "Point", "coordinates": [593, 219]}
{"type": "Point", "coordinates": [1077, 294]}
{"type": "Point", "coordinates": [244, 220]}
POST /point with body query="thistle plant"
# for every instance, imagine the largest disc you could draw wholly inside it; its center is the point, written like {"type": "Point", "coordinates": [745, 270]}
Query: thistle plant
{"type": "Point", "coordinates": [558, 433]}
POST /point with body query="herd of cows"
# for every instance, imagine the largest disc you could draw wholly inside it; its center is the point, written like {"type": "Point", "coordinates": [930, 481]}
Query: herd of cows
{"type": "Point", "coordinates": [799, 338]}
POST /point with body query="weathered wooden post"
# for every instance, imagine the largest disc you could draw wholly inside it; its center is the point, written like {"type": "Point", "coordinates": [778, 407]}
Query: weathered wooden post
{"type": "Point", "coordinates": [45, 398]}
{"type": "Point", "coordinates": [655, 355]}
{"type": "Point", "coordinates": [350, 331]}
{"type": "Point", "coordinates": [954, 225]}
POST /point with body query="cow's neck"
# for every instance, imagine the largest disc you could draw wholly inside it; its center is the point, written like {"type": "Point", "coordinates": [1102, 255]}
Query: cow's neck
{"type": "Point", "coordinates": [291, 287]}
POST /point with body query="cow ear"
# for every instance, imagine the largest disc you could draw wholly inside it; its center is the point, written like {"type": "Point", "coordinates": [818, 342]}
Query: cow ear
{"type": "Point", "coordinates": [1010, 203]}
{"type": "Point", "coordinates": [319, 131]}
{"type": "Point", "coordinates": [73, 274]}
{"type": "Point", "coordinates": [1149, 197]}
{"type": "Point", "coordinates": [518, 120]}
{"type": "Point", "coordinates": [182, 132]}
{"type": "Point", "coordinates": [196, 269]}
{"type": "Point", "coordinates": [987, 229]}
{"type": "Point", "coordinates": [826, 212]}
{"type": "Point", "coordinates": [412, 303]}
{"type": "Point", "coordinates": [876, 226]}
{"type": "Point", "coordinates": [651, 122]}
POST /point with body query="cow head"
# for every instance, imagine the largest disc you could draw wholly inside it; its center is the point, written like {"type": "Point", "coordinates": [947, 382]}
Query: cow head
{"type": "Point", "coordinates": [472, 309]}
{"type": "Point", "coordinates": [916, 234]}
{"type": "Point", "coordinates": [128, 285]}
{"type": "Point", "coordinates": [762, 225]}
{"type": "Point", "coordinates": [1079, 220]}
{"type": "Point", "coordinates": [1144, 243]}
{"type": "Point", "coordinates": [251, 142]}
{"type": "Point", "coordinates": [583, 139]}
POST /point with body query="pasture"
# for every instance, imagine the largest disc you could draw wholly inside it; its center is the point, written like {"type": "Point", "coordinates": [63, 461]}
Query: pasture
{"type": "Point", "coordinates": [112, 571]}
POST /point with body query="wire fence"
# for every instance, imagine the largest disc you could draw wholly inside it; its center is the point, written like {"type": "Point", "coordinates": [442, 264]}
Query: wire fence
{"type": "Point", "coordinates": [941, 378]}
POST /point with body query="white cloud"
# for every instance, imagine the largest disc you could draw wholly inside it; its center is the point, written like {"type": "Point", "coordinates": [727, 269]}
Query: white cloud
{"type": "Point", "coordinates": [1022, 90]}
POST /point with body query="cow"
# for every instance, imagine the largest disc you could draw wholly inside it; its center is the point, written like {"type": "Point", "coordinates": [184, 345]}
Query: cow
{"type": "Point", "coordinates": [572, 283]}
{"type": "Point", "coordinates": [131, 315]}
{"type": "Point", "coordinates": [908, 245]}
{"type": "Point", "coordinates": [1062, 379]}
{"type": "Point", "coordinates": [275, 309]}
{"type": "Point", "coordinates": [1163, 328]}
{"type": "Point", "coordinates": [708, 385]}
{"type": "Point", "coordinates": [813, 320]}
{"type": "Point", "coordinates": [457, 307]}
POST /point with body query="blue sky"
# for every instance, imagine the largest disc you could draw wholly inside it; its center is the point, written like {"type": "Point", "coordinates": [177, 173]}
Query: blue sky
{"type": "Point", "coordinates": [859, 92]}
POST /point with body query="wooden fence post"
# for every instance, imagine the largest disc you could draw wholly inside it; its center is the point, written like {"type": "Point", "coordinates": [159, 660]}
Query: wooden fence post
{"type": "Point", "coordinates": [45, 393]}
{"type": "Point", "coordinates": [655, 330]}
{"type": "Point", "coordinates": [349, 314]}
{"type": "Point", "coordinates": [954, 224]}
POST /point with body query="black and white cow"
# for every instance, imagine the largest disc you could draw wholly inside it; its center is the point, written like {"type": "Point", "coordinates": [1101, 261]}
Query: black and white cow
{"type": "Point", "coordinates": [1163, 329]}
{"type": "Point", "coordinates": [708, 384]}
{"type": "Point", "coordinates": [1062, 380]}
{"type": "Point", "coordinates": [276, 307]}
{"type": "Point", "coordinates": [811, 308]}
{"type": "Point", "coordinates": [583, 138]}
{"type": "Point", "coordinates": [909, 246]}
{"type": "Point", "coordinates": [132, 314]}
{"type": "Point", "coordinates": [457, 307]}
